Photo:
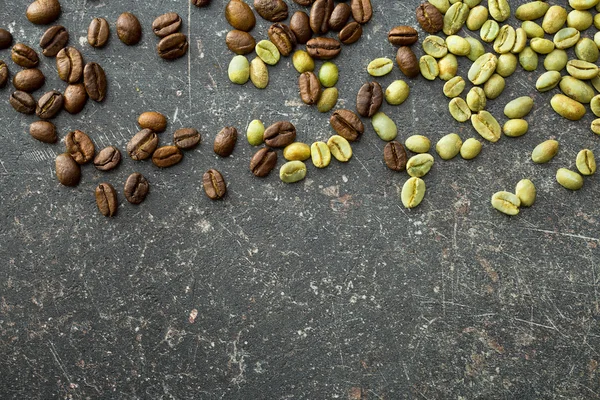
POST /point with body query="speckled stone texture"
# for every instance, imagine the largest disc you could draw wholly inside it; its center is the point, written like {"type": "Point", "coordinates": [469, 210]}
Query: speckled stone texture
{"type": "Point", "coordinates": [324, 289]}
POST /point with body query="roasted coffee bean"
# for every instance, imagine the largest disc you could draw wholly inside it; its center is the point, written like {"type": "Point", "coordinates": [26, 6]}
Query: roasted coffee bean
{"type": "Point", "coordinates": [240, 15]}
{"type": "Point", "coordinates": [394, 156]}
{"type": "Point", "coordinates": [166, 24]}
{"type": "Point", "coordinates": [172, 46]}
{"type": "Point", "coordinates": [369, 99]}
{"type": "Point", "coordinates": [68, 172]}
{"type": "Point", "coordinates": [310, 88]}
{"type": "Point", "coordinates": [142, 145]}
{"type": "Point", "coordinates": [43, 131]}
{"type": "Point", "coordinates": [108, 158]}
{"type": "Point", "coordinates": [24, 56]}
{"type": "Point", "coordinates": [152, 120]}
{"type": "Point", "coordinates": [3, 74]}
{"type": "Point", "coordinates": [407, 62]}
{"type": "Point", "coordinates": [339, 16]}
{"type": "Point", "coordinates": [347, 124]}
{"type": "Point", "coordinates": [129, 29]}
{"type": "Point", "coordinates": [403, 36]}
{"type": "Point", "coordinates": [136, 188]}
{"type": "Point", "coordinates": [271, 10]}
{"type": "Point", "coordinates": [225, 141]}
{"type": "Point", "coordinates": [49, 105]}
{"type": "Point", "coordinates": [282, 37]}
{"type": "Point", "coordinates": [214, 184]}
{"type": "Point", "coordinates": [5, 39]}
{"type": "Point", "coordinates": [98, 32]}
{"type": "Point", "coordinates": [29, 80]}
{"type": "Point", "coordinates": [200, 3]}
{"type": "Point", "coordinates": [430, 18]}
{"type": "Point", "coordinates": [94, 80]}
{"type": "Point", "coordinates": [186, 138]}
{"type": "Point", "coordinates": [69, 64]}
{"type": "Point", "coordinates": [106, 199]}
{"type": "Point", "coordinates": [304, 3]}
{"type": "Point", "coordinates": [53, 40]}
{"type": "Point", "coordinates": [350, 33]}
{"type": "Point", "coordinates": [80, 146]}
{"type": "Point", "coordinates": [280, 134]}
{"type": "Point", "coordinates": [362, 11]}
{"type": "Point", "coordinates": [300, 25]}
{"type": "Point", "coordinates": [43, 12]}
{"type": "Point", "coordinates": [263, 162]}
{"type": "Point", "coordinates": [240, 42]}
{"type": "Point", "coordinates": [319, 16]}
{"type": "Point", "coordinates": [22, 102]}
{"type": "Point", "coordinates": [323, 48]}
{"type": "Point", "coordinates": [167, 156]}
{"type": "Point", "coordinates": [74, 98]}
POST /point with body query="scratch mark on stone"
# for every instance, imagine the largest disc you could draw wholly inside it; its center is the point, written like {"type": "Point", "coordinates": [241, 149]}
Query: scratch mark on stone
{"type": "Point", "coordinates": [363, 165]}
{"type": "Point", "coordinates": [189, 57]}
{"type": "Point", "coordinates": [58, 361]}
{"type": "Point", "coordinates": [563, 234]}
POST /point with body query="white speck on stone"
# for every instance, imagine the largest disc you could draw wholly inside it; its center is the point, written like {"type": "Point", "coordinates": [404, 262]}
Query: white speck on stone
{"type": "Point", "coordinates": [179, 93]}
{"type": "Point", "coordinates": [205, 225]}
{"type": "Point", "coordinates": [344, 178]}
{"type": "Point", "coordinates": [82, 40]}
{"type": "Point", "coordinates": [436, 289]}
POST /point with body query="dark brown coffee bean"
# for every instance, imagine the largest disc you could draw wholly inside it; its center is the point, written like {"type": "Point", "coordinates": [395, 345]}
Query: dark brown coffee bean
{"type": "Point", "coordinates": [225, 141]}
{"type": "Point", "coordinates": [152, 120]}
{"type": "Point", "coordinates": [347, 124]}
{"type": "Point", "coordinates": [282, 37]}
{"type": "Point", "coordinates": [240, 15]}
{"type": "Point", "coordinates": [369, 99]}
{"type": "Point", "coordinates": [339, 16]}
{"type": "Point", "coordinates": [403, 35]}
{"type": "Point", "coordinates": [142, 145]}
{"type": "Point", "coordinates": [429, 17]}
{"type": "Point", "coordinates": [214, 184]}
{"type": "Point", "coordinates": [3, 74]}
{"type": "Point", "coordinates": [53, 40]}
{"type": "Point", "coordinates": [394, 156]}
{"type": "Point", "coordinates": [271, 10]}
{"type": "Point", "coordinates": [240, 42]}
{"type": "Point", "coordinates": [351, 33]}
{"type": "Point", "coordinates": [49, 105]}
{"type": "Point", "coordinates": [108, 158]}
{"type": "Point", "coordinates": [22, 102]}
{"type": "Point", "coordinates": [24, 56]}
{"type": "Point", "coordinates": [304, 3]}
{"type": "Point", "coordinates": [80, 146]}
{"type": "Point", "coordinates": [280, 134]}
{"type": "Point", "coordinates": [310, 88]}
{"type": "Point", "coordinates": [106, 199]}
{"type": "Point", "coordinates": [166, 24]}
{"type": "Point", "coordinates": [74, 98]}
{"type": "Point", "coordinates": [136, 188]}
{"type": "Point", "coordinates": [200, 3]}
{"type": "Point", "coordinates": [173, 46]}
{"type": "Point", "coordinates": [43, 131]}
{"type": "Point", "coordinates": [300, 25]}
{"type": "Point", "coordinates": [323, 48]}
{"type": "Point", "coordinates": [263, 162]}
{"type": "Point", "coordinates": [69, 64]}
{"type": "Point", "coordinates": [42, 12]}
{"type": "Point", "coordinates": [29, 80]}
{"type": "Point", "coordinates": [167, 156]}
{"type": "Point", "coordinates": [68, 172]}
{"type": "Point", "coordinates": [407, 62]}
{"type": "Point", "coordinates": [186, 138]}
{"type": "Point", "coordinates": [98, 32]}
{"type": "Point", "coordinates": [362, 11]}
{"type": "Point", "coordinates": [5, 39]}
{"type": "Point", "coordinates": [319, 16]}
{"type": "Point", "coordinates": [129, 29]}
{"type": "Point", "coordinates": [94, 81]}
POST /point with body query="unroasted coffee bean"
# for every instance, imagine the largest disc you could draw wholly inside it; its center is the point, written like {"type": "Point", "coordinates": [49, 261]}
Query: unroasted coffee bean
{"type": "Point", "coordinates": [43, 12]}
{"type": "Point", "coordinates": [323, 48]}
{"type": "Point", "coordinates": [350, 33]}
{"type": "Point", "coordinates": [3, 74]}
{"type": "Point", "coordinates": [167, 156]}
{"type": "Point", "coordinates": [280, 134]}
{"type": "Point", "coordinates": [347, 124]}
{"type": "Point", "coordinates": [152, 120]}
{"type": "Point", "coordinates": [106, 199]}
{"type": "Point", "coordinates": [80, 146]}
{"type": "Point", "coordinates": [271, 10]}
{"type": "Point", "coordinates": [69, 64]}
{"type": "Point", "coordinates": [394, 156]}
{"type": "Point", "coordinates": [310, 88]}
{"type": "Point", "coordinates": [282, 37]}
{"type": "Point", "coordinates": [166, 24]}
{"type": "Point", "coordinates": [24, 56]}
{"type": "Point", "coordinates": [362, 11]}
{"type": "Point", "coordinates": [43, 131]}
{"type": "Point", "coordinates": [240, 42]}
{"type": "Point", "coordinates": [142, 145]}
{"type": "Point", "coordinates": [403, 35]}
{"type": "Point", "coordinates": [68, 172]}
{"type": "Point", "coordinates": [240, 15]}
{"type": "Point", "coordinates": [369, 99]}
{"type": "Point", "coordinates": [214, 184]}
{"type": "Point", "coordinates": [22, 102]}
{"type": "Point", "coordinates": [319, 15]}
{"type": "Point", "coordinates": [74, 98]}
{"type": "Point", "coordinates": [186, 138]}
{"type": "Point", "coordinates": [136, 188]}
{"type": "Point", "coordinates": [129, 29]}
{"type": "Point", "coordinates": [108, 158]}
{"type": "Point", "coordinates": [98, 32]}
{"type": "Point", "coordinates": [200, 3]}
{"type": "Point", "coordinates": [53, 40]}
{"type": "Point", "coordinates": [29, 80]}
{"type": "Point", "coordinates": [407, 62]}
{"type": "Point", "coordinates": [225, 141]}
{"type": "Point", "coordinates": [430, 18]}
{"type": "Point", "coordinates": [339, 16]}
{"type": "Point", "coordinates": [94, 80]}
{"type": "Point", "coordinates": [263, 162]}
{"type": "Point", "coordinates": [5, 39]}
{"type": "Point", "coordinates": [49, 105]}
{"type": "Point", "coordinates": [172, 46]}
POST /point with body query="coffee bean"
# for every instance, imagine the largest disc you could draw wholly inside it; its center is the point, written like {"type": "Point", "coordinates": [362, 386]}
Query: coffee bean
{"type": "Point", "coordinates": [43, 12]}
{"type": "Point", "coordinates": [319, 15]}
{"type": "Point", "coordinates": [340, 148]}
{"type": "Point", "coordinates": [3, 74]}
{"type": "Point", "coordinates": [22, 102]}
{"type": "Point", "coordinates": [419, 165]}
{"type": "Point", "coordinates": [259, 74]}
{"type": "Point", "coordinates": [350, 33]}
{"type": "Point", "coordinates": [152, 120]}
{"type": "Point", "coordinates": [347, 124]}
{"type": "Point", "coordinates": [407, 62]}
{"type": "Point", "coordinates": [69, 64]}
{"type": "Point", "coordinates": [310, 88]}
{"type": "Point", "coordinates": [282, 37]}
{"type": "Point", "coordinates": [323, 48]}
{"type": "Point", "coordinates": [98, 32]}
{"type": "Point", "coordinates": [339, 16]}
{"type": "Point", "coordinates": [74, 98]}
{"type": "Point", "coordinates": [167, 156]}
{"type": "Point", "coordinates": [384, 126]}
{"type": "Point", "coordinates": [525, 191]}
{"type": "Point", "coordinates": [5, 39]}
{"type": "Point", "coordinates": [369, 99]}
{"type": "Point", "coordinates": [280, 134]}
{"type": "Point", "coordinates": [49, 105]}
{"type": "Point", "coordinates": [68, 172]}
{"type": "Point", "coordinates": [403, 35]}
{"type": "Point", "coordinates": [271, 10]}
{"type": "Point", "coordinates": [214, 184]}
{"type": "Point", "coordinates": [106, 199]}
{"type": "Point", "coordinates": [142, 145]}
{"type": "Point", "coordinates": [94, 81]}
{"type": "Point", "coordinates": [80, 146]}
{"type": "Point", "coordinates": [173, 46]}
{"type": "Point", "coordinates": [186, 138]}
{"type": "Point", "coordinates": [129, 29]}
{"type": "Point", "coordinates": [43, 131]}
{"type": "Point", "coordinates": [300, 25]}
{"type": "Point", "coordinates": [29, 80]}
{"type": "Point", "coordinates": [362, 11]}
{"type": "Point", "coordinates": [263, 162]}
{"type": "Point", "coordinates": [320, 154]}
{"type": "Point", "coordinates": [166, 24]}
{"type": "Point", "coordinates": [240, 15]}
{"type": "Point", "coordinates": [200, 3]}
{"type": "Point", "coordinates": [136, 188]}
{"type": "Point", "coordinates": [240, 42]}
{"type": "Point", "coordinates": [304, 3]}
{"type": "Point", "coordinates": [506, 203]}
{"type": "Point", "coordinates": [24, 56]}
{"type": "Point", "coordinates": [53, 40]}
{"type": "Point", "coordinates": [292, 172]}
{"type": "Point", "coordinates": [225, 141]}
{"type": "Point", "coordinates": [108, 158]}
{"type": "Point", "coordinates": [430, 18]}
{"type": "Point", "coordinates": [413, 192]}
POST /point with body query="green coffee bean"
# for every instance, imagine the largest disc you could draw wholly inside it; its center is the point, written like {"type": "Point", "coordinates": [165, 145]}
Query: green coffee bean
{"type": "Point", "coordinates": [499, 9]}
{"type": "Point", "coordinates": [292, 171]}
{"type": "Point", "coordinates": [526, 192]}
{"type": "Point", "coordinates": [239, 70]}
{"type": "Point", "coordinates": [397, 92]}
{"type": "Point", "coordinates": [596, 83]}
{"type": "Point", "coordinates": [296, 151]}
{"type": "Point", "coordinates": [384, 127]}
{"type": "Point", "coordinates": [547, 81]}
{"type": "Point", "coordinates": [555, 18]}
{"type": "Point", "coordinates": [328, 99]}
{"type": "Point", "coordinates": [441, 5]}
{"type": "Point", "coordinates": [483, 68]}
{"type": "Point", "coordinates": [567, 107]}
{"type": "Point", "coordinates": [580, 20]}
{"type": "Point", "coordinates": [413, 192]}
{"type": "Point", "coordinates": [320, 154]}
{"type": "Point", "coordinates": [489, 31]}
{"type": "Point", "coordinates": [582, 69]}
{"type": "Point", "coordinates": [429, 67]}
{"type": "Point", "coordinates": [459, 109]}
{"type": "Point", "coordinates": [259, 74]}
{"type": "Point", "coordinates": [470, 149]}
{"type": "Point", "coordinates": [520, 41]}
{"type": "Point", "coordinates": [528, 59]}
{"type": "Point", "coordinates": [448, 67]}
{"type": "Point", "coordinates": [458, 45]}
{"type": "Point", "coordinates": [476, 99]}
{"type": "Point", "coordinates": [435, 46]}
{"type": "Point", "coordinates": [597, 21]}
{"type": "Point", "coordinates": [255, 132]}
{"type": "Point", "coordinates": [507, 64]}
{"type": "Point", "coordinates": [340, 148]}
{"type": "Point", "coordinates": [506, 202]}
{"type": "Point", "coordinates": [454, 87]}
{"type": "Point", "coordinates": [515, 127]}
{"type": "Point", "coordinates": [380, 66]}
{"type": "Point", "coordinates": [541, 45]}
{"type": "Point", "coordinates": [455, 18]}
{"type": "Point", "coordinates": [519, 107]}
{"type": "Point", "coordinates": [587, 50]}
{"type": "Point", "coordinates": [532, 29]}
{"type": "Point", "coordinates": [544, 152]}
{"type": "Point", "coordinates": [419, 165]}
{"type": "Point", "coordinates": [566, 37]}
{"type": "Point", "coordinates": [595, 105]}
{"type": "Point", "coordinates": [477, 49]}
{"type": "Point", "coordinates": [494, 86]}
{"type": "Point", "coordinates": [472, 3]}
{"type": "Point", "coordinates": [556, 60]}
{"type": "Point", "coordinates": [586, 162]}
{"type": "Point", "coordinates": [505, 40]}
{"type": "Point", "coordinates": [417, 144]}
{"type": "Point", "coordinates": [532, 10]}
{"type": "Point", "coordinates": [303, 62]}
{"type": "Point", "coordinates": [486, 125]}
{"type": "Point", "coordinates": [569, 179]}
{"type": "Point", "coordinates": [583, 4]}
{"type": "Point", "coordinates": [595, 126]}
{"type": "Point", "coordinates": [448, 146]}
{"type": "Point", "coordinates": [267, 52]}
{"type": "Point", "coordinates": [576, 89]}
{"type": "Point", "coordinates": [477, 16]}
{"type": "Point", "coordinates": [328, 74]}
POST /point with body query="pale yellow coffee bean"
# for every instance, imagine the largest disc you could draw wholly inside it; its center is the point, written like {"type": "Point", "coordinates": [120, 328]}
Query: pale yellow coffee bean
{"type": "Point", "coordinates": [567, 107]}
{"type": "Point", "coordinates": [569, 179]}
{"type": "Point", "coordinates": [448, 146]}
{"type": "Point", "coordinates": [554, 20]}
{"type": "Point", "coordinates": [296, 151]}
{"type": "Point", "coordinates": [470, 149]}
{"type": "Point", "coordinates": [380, 66]}
{"type": "Point", "coordinates": [476, 99]}
{"type": "Point", "coordinates": [259, 74]}
{"type": "Point", "coordinates": [413, 192]}
{"type": "Point", "coordinates": [320, 154]}
{"type": "Point", "coordinates": [506, 202]}
{"type": "Point", "coordinates": [586, 162]}
{"type": "Point", "coordinates": [397, 92]}
{"type": "Point", "coordinates": [340, 148]}
{"type": "Point", "coordinates": [544, 151]}
{"type": "Point", "coordinates": [328, 100]}
{"type": "Point", "coordinates": [417, 144]}
{"type": "Point", "coordinates": [526, 192]}
{"type": "Point", "coordinates": [487, 126]}
{"type": "Point", "coordinates": [454, 87]}
{"type": "Point", "coordinates": [419, 165]}
{"type": "Point", "coordinates": [458, 45]}
{"type": "Point", "coordinates": [515, 127]}
{"type": "Point", "coordinates": [303, 62]}
{"type": "Point", "coordinates": [448, 67]}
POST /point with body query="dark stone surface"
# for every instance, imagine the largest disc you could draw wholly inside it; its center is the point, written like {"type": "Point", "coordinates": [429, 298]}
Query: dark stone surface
{"type": "Point", "coordinates": [324, 289]}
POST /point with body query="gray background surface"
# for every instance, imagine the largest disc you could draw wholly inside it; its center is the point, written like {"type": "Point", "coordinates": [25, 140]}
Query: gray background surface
{"type": "Point", "coordinates": [328, 288]}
